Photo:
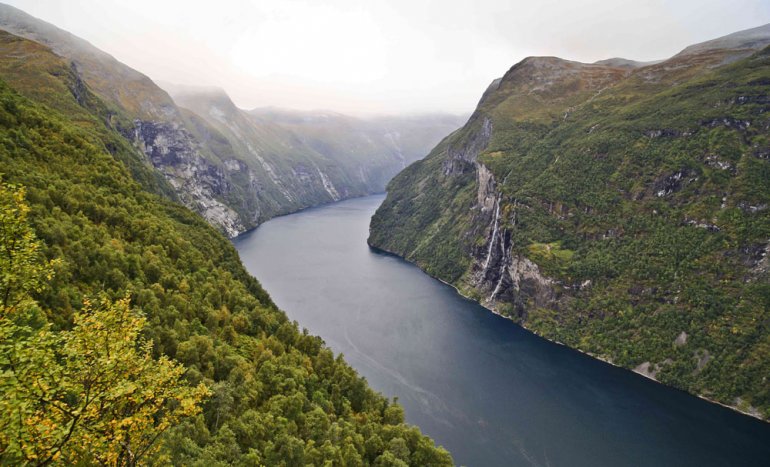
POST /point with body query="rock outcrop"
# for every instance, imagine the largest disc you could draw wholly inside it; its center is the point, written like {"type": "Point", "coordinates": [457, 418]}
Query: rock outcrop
{"type": "Point", "coordinates": [617, 207]}
{"type": "Point", "coordinates": [238, 169]}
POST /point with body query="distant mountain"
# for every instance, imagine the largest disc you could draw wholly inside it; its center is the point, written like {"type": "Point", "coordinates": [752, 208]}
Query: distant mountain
{"type": "Point", "coordinates": [741, 42]}
{"type": "Point", "coordinates": [620, 208]}
{"type": "Point", "coordinates": [235, 170]}
{"type": "Point", "coordinates": [101, 213]}
{"type": "Point", "coordinates": [618, 62]}
{"type": "Point", "coordinates": [304, 152]}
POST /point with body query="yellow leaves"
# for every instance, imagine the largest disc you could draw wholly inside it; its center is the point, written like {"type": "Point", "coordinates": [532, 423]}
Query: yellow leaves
{"type": "Point", "coordinates": [116, 244]}
{"type": "Point", "coordinates": [91, 394]}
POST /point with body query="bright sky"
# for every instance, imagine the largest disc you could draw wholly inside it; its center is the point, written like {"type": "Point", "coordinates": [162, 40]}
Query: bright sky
{"type": "Point", "coordinates": [380, 56]}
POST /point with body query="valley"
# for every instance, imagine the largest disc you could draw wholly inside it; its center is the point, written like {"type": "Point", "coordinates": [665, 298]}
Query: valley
{"type": "Point", "coordinates": [575, 273]}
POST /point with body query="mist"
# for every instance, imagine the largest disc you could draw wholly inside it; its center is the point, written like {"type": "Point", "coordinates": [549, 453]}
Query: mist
{"type": "Point", "coordinates": [380, 57]}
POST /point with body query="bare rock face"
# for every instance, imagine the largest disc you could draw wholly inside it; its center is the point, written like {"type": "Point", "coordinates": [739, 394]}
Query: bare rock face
{"type": "Point", "coordinates": [462, 156]}
{"type": "Point", "coordinates": [487, 194]}
{"type": "Point", "coordinates": [498, 274]}
{"type": "Point", "coordinates": [681, 339]}
{"type": "Point", "coordinates": [237, 168]}
{"type": "Point", "coordinates": [199, 183]}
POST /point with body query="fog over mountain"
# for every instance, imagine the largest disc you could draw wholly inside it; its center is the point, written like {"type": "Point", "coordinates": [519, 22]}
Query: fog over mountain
{"type": "Point", "coordinates": [380, 57]}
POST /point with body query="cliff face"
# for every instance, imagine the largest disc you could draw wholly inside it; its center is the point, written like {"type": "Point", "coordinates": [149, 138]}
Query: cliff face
{"type": "Point", "coordinates": [612, 207]}
{"type": "Point", "coordinates": [236, 169]}
{"type": "Point", "coordinates": [304, 158]}
{"type": "Point", "coordinates": [199, 184]}
{"type": "Point", "coordinates": [94, 206]}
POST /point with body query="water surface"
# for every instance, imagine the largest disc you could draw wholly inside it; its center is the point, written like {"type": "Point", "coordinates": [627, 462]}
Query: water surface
{"type": "Point", "coordinates": [489, 391]}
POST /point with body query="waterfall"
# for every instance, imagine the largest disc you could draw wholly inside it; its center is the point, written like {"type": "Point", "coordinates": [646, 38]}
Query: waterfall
{"type": "Point", "coordinates": [494, 233]}
{"type": "Point", "coordinates": [503, 267]}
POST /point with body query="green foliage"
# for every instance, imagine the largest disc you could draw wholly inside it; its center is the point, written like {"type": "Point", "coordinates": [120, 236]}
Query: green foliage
{"type": "Point", "coordinates": [551, 257]}
{"type": "Point", "coordinates": [278, 395]}
{"type": "Point", "coordinates": [92, 394]}
{"type": "Point", "coordinates": [21, 270]}
{"type": "Point", "coordinates": [645, 197]}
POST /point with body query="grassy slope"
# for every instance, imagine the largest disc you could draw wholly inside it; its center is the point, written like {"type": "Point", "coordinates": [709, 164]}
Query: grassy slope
{"type": "Point", "coordinates": [280, 396]}
{"type": "Point", "coordinates": [586, 187]}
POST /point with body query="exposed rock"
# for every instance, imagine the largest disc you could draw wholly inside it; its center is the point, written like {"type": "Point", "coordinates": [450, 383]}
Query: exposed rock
{"type": "Point", "coordinates": [173, 151]}
{"type": "Point", "coordinates": [702, 357]}
{"type": "Point", "coordinates": [646, 369]}
{"type": "Point", "coordinates": [663, 133]}
{"type": "Point", "coordinates": [499, 274]}
{"type": "Point", "coordinates": [674, 182]}
{"type": "Point", "coordinates": [752, 208]}
{"type": "Point", "coordinates": [703, 225]}
{"type": "Point", "coordinates": [728, 122]}
{"type": "Point", "coordinates": [462, 156]}
{"type": "Point", "coordinates": [757, 258]}
{"type": "Point", "coordinates": [714, 161]}
{"type": "Point", "coordinates": [651, 370]}
{"type": "Point", "coordinates": [681, 339]}
{"type": "Point", "coordinates": [487, 194]}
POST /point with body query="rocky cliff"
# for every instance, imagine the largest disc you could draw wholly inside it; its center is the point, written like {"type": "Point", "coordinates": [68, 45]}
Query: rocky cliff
{"type": "Point", "coordinates": [613, 207]}
{"type": "Point", "coordinates": [300, 159]}
{"type": "Point", "coordinates": [234, 168]}
{"type": "Point", "coordinates": [83, 197]}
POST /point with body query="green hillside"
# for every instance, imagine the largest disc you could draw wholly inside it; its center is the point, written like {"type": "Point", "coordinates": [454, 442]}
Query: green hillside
{"type": "Point", "coordinates": [235, 170]}
{"type": "Point", "coordinates": [278, 395]}
{"type": "Point", "coordinates": [621, 210]}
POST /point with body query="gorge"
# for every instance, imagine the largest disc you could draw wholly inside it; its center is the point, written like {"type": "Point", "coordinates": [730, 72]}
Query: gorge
{"type": "Point", "coordinates": [489, 391]}
{"type": "Point", "coordinates": [550, 280]}
{"type": "Point", "coordinates": [619, 209]}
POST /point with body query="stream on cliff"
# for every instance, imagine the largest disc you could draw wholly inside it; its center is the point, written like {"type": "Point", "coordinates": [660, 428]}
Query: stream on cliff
{"type": "Point", "coordinates": [489, 391]}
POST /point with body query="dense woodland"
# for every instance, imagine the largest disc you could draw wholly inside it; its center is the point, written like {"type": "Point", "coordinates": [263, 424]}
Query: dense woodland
{"type": "Point", "coordinates": [643, 196]}
{"type": "Point", "coordinates": [104, 245]}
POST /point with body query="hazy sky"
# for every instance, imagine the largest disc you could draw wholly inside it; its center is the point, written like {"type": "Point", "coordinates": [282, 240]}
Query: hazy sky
{"type": "Point", "coordinates": [380, 56]}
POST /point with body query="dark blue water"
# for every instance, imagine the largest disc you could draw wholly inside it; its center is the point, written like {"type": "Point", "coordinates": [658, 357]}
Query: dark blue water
{"type": "Point", "coordinates": [490, 392]}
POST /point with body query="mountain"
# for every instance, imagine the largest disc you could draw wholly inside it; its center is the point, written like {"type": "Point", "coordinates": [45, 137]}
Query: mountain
{"type": "Point", "coordinates": [109, 225]}
{"type": "Point", "coordinates": [618, 208]}
{"type": "Point", "coordinates": [234, 170]}
{"type": "Point", "coordinates": [618, 62]}
{"type": "Point", "coordinates": [310, 157]}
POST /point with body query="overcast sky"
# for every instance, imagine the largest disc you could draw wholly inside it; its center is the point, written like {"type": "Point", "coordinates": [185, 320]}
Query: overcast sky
{"type": "Point", "coordinates": [380, 56]}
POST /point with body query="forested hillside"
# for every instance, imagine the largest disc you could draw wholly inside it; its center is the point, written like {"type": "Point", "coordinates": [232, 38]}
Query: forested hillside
{"type": "Point", "coordinates": [620, 208]}
{"type": "Point", "coordinates": [234, 171]}
{"type": "Point", "coordinates": [107, 227]}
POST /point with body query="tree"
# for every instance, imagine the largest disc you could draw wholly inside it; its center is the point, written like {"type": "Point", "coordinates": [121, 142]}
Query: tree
{"type": "Point", "coordinates": [22, 270]}
{"type": "Point", "coordinates": [92, 394]}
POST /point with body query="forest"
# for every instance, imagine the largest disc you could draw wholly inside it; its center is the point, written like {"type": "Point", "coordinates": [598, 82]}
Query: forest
{"type": "Point", "coordinates": [205, 369]}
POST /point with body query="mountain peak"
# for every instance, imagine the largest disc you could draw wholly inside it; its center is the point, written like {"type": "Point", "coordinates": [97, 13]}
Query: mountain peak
{"type": "Point", "coordinates": [619, 62]}
{"type": "Point", "coordinates": [104, 74]}
{"type": "Point", "coordinates": [754, 39]}
{"type": "Point", "coordinates": [174, 89]}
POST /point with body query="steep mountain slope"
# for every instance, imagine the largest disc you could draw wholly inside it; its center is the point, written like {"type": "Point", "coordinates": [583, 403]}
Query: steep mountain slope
{"type": "Point", "coordinates": [389, 139]}
{"type": "Point", "coordinates": [621, 210]}
{"type": "Point", "coordinates": [280, 397]}
{"type": "Point", "coordinates": [313, 156]}
{"type": "Point", "coordinates": [237, 173]}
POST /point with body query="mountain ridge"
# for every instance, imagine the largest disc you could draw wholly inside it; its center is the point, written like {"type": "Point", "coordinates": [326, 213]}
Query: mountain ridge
{"type": "Point", "coordinates": [233, 183]}
{"type": "Point", "coordinates": [593, 203]}
{"type": "Point", "coordinates": [108, 225]}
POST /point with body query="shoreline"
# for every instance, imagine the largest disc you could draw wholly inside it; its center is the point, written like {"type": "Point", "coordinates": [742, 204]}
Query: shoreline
{"type": "Point", "coordinates": [306, 208]}
{"type": "Point", "coordinates": [596, 357]}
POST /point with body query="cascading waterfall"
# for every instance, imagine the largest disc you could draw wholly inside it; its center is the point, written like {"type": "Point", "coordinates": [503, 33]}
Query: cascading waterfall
{"type": "Point", "coordinates": [505, 257]}
{"type": "Point", "coordinates": [503, 267]}
{"type": "Point", "coordinates": [494, 233]}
